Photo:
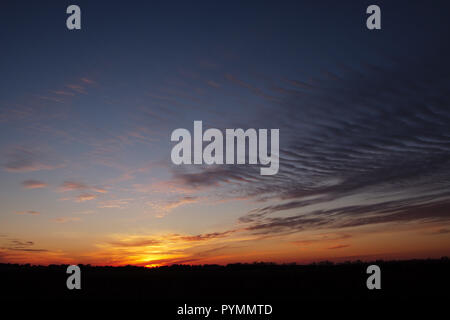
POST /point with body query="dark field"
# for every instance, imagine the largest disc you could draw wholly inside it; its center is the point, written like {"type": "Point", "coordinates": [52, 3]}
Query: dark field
{"type": "Point", "coordinates": [245, 283]}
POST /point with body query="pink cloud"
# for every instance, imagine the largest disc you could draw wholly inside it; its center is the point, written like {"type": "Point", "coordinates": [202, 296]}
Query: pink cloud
{"type": "Point", "coordinates": [33, 184]}
{"type": "Point", "coordinates": [85, 197]}
{"type": "Point", "coordinates": [88, 81]}
{"type": "Point", "coordinates": [73, 185]}
{"type": "Point", "coordinates": [23, 159]}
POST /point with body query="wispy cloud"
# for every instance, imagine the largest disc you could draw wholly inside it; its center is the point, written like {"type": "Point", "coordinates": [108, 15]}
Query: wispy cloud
{"type": "Point", "coordinates": [85, 197]}
{"type": "Point", "coordinates": [88, 194]}
{"type": "Point", "coordinates": [136, 242]}
{"type": "Point", "coordinates": [73, 185]}
{"type": "Point", "coordinates": [321, 239]}
{"type": "Point", "coordinates": [77, 88]}
{"type": "Point", "coordinates": [165, 206]}
{"type": "Point", "coordinates": [22, 159]}
{"type": "Point", "coordinates": [66, 219]}
{"type": "Point", "coordinates": [349, 155]}
{"type": "Point", "coordinates": [114, 203]}
{"type": "Point", "coordinates": [162, 249]}
{"type": "Point", "coordinates": [31, 212]}
{"type": "Point", "coordinates": [208, 236]}
{"type": "Point", "coordinates": [33, 184]}
{"type": "Point", "coordinates": [339, 246]}
{"type": "Point", "coordinates": [20, 245]}
{"type": "Point", "coordinates": [88, 81]}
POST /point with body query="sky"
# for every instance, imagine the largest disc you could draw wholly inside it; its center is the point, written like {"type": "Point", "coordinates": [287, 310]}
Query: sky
{"type": "Point", "coordinates": [86, 118]}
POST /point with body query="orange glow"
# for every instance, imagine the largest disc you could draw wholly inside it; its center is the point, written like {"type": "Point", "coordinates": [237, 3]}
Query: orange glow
{"type": "Point", "coordinates": [239, 245]}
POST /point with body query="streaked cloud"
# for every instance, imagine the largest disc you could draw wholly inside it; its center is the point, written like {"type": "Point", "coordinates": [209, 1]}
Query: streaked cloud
{"type": "Point", "coordinates": [136, 242]}
{"type": "Point", "coordinates": [22, 159]}
{"type": "Point", "coordinates": [73, 185]}
{"type": "Point", "coordinates": [88, 193]}
{"type": "Point", "coordinates": [85, 197]}
{"type": "Point", "coordinates": [321, 239]}
{"type": "Point", "coordinates": [20, 245]}
{"type": "Point", "coordinates": [339, 246]}
{"type": "Point", "coordinates": [66, 219]}
{"type": "Point", "coordinates": [33, 184]}
{"type": "Point", "coordinates": [208, 236]}
{"type": "Point", "coordinates": [164, 206]}
{"type": "Point", "coordinates": [114, 203]}
{"type": "Point", "coordinates": [31, 212]}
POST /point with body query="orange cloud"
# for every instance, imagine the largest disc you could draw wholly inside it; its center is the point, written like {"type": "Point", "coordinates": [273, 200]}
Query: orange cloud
{"type": "Point", "coordinates": [162, 249]}
{"type": "Point", "coordinates": [33, 184]}
{"type": "Point", "coordinates": [66, 219]}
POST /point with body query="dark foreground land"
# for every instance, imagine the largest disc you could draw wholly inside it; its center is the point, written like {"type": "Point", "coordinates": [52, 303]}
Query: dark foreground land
{"type": "Point", "coordinates": [245, 283]}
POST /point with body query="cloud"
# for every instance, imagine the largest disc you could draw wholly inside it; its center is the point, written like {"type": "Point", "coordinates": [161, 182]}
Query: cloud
{"type": "Point", "coordinates": [321, 238]}
{"type": "Point", "coordinates": [20, 245]}
{"type": "Point", "coordinates": [77, 88]}
{"type": "Point", "coordinates": [162, 249]}
{"type": "Point", "coordinates": [136, 242]}
{"type": "Point", "coordinates": [168, 205]}
{"type": "Point", "coordinates": [79, 186]}
{"type": "Point", "coordinates": [66, 219]}
{"type": "Point", "coordinates": [99, 190]}
{"type": "Point", "coordinates": [88, 81]}
{"type": "Point", "coordinates": [207, 236]}
{"type": "Point", "coordinates": [63, 93]}
{"type": "Point", "coordinates": [22, 159]}
{"type": "Point", "coordinates": [360, 146]}
{"type": "Point", "coordinates": [179, 202]}
{"type": "Point", "coordinates": [356, 215]}
{"type": "Point", "coordinates": [32, 212]}
{"type": "Point", "coordinates": [33, 184]}
{"type": "Point", "coordinates": [214, 176]}
{"type": "Point", "coordinates": [73, 185]}
{"type": "Point", "coordinates": [339, 246]}
{"type": "Point", "coordinates": [85, 197]}
{"type": "Point", "coordinates": [115, 203]}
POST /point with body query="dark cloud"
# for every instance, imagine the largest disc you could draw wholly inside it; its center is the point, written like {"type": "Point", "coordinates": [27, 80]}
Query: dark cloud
{"type": "Point", "coordinates": [339, 246]}
{"type": "Point", "coordinates": [377, 136]}
{"type": "Point", "coordinates": [213, 176]}
{"type": "Point", "coordinates": [208, 236]}
{"type": "Point", "coordinates": [351, 216]}
{"type": "Point", "coordinates": [23, 159]}
{"type": "Point", "coordinates": [33, 184]}
{"type": "Point", "coordinates": [32, 212]}
{"type": "Point", "coordinates": [142, 242]}
{"type": "Point", "coordinates": [20, 245]}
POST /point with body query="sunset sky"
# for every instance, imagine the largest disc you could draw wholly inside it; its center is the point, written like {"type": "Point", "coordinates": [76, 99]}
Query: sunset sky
{"type": "Point", "coordinates": [86, 118]}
